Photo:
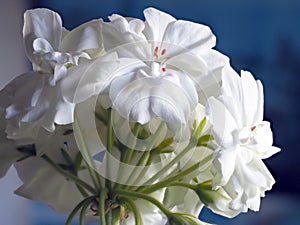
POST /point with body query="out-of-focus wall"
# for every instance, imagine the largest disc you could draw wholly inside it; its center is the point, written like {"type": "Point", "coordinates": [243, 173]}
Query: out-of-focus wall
{"type": "Point", "coordinates": [12, 57]}
{"type": "Point", "coordinates": [14, 210]}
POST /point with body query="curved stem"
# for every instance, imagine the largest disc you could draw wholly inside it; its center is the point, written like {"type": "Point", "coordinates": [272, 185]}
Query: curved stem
{"type": "Point", "coordinates": [146, 154]}
{"type": "Point", "coordinates": [76, 209]}
{"type": "Point", "coordinates": [144, 170]}
{"type": "Point", "coordinates": [109, 148]}
{"type": "Point", "coordinates": [113, 216]}
{"type": "Point", "coordinates": [128, 155]}
{"type": "Point", "coordinates": [129, 151]}
{"type": "Point", "coordinates": [102, 200]}
{"type": "Point", "coordinates": [171, 163]}
{"type": "Point", "coordinates": [192, 144]}
{"type": "Point", "coordinates": [83, 210]}
{"type": "Point", "coordinates": [87, 157]}
{"type": "Point", "coordinates": [158, 204]}
{"type": "Point", "coordinates": [135, 210]}
{"type": "Point", "coordinates": [183, 184]}
{"type": "Point", "coordinates": [169, 181]}
{"type": "Point", "coordinates": [82, 191]}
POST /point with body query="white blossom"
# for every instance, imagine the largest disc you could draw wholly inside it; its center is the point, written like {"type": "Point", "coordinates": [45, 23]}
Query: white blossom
{"type": "Point", "coordinates": [36, 99]}
{"type": "Point", "coordinates": [244, 139]}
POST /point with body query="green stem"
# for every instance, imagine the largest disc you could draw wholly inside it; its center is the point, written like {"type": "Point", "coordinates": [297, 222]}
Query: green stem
{"type": "Point", "coordinates": [113, 216]}
{"type": "Point", "coordinates": [169, 181]}
{"type": "Point", "coordinates": [134, 172]}
{"type": "Point", "coordinates": [87, 157]}
{"type": "Point", "coordinates": [130, 150]}
{"type": "Point", "coordinates": [76, 209]}
{"type": "Point", "coordinates": [109, 148]}
{"type": "Point", "coordinates": [125, 193]}
{"type": "Point", "coordinates": [172, 163]}
{"type": "Point", "coordinates": [102, 201]}
{"type": "Point", "coordinates": [69, 175]}
{"type": "Point", "coordinates": [135, 210]}
{"type": "Point", "coordinates": [183, 184]}
{"type": "Point", "coordinates": [82, 191]}
{"type": "Point", "coordinates": [144, 171]}
{"type": "Point", "coordinates": [83, 210]}
{"type": "Point", "coordinates": [128, 154]}
{"type": "Point", "coordinates": [146, 154]}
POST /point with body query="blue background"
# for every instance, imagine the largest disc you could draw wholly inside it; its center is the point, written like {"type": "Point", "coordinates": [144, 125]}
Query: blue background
{"type": "Point", "coordinates": [262, 36]}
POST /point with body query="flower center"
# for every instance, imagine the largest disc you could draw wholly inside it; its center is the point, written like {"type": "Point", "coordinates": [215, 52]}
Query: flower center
{"type": "Point", "coordinates": [246, 135]}
{"type": "Point", "coordinates": [156, 52]}
{"type": "Point", "coordinates": [156, 55]}
{"type": "Point", "coordinates": [155, 69]}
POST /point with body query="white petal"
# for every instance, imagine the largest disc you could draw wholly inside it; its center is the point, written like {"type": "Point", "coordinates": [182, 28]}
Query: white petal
{"type": "Point", "coordinates": [258, 115]}
{"type": "Point", "coordinates": [251, 102]}
{"type": "Point", "coordinates": [136, 26]}
{"type": "Point", "coordinates": [224, 164]}
{"type": "Point", "coordinates": [156, 24]}
{"type": "Point", "coordinates": [254, 171]}
{"type": "Point", "coordinates": [41, 23]}
{"type": "Point", "coordinates": [22, 92]}
{"type": "Point", "coordinates": [172, 106]}
{"type": "Point", "coordinates": [41, 44]}
{"type": "Point", "coordinates": [249, 181]}
{"type": "Point", "coordinates": [263, 141]}
{"type": "Point", "coordinates": [33, 104]}
{"type": "Point", "coordinates": [85, 37]}
{"type": "Point", "coordinates": [231, 84]}
{"type": "Point", "coordinates": [186, 62]}
{"type": "Point", "coordinates": [223, 121]}
{"type": "Point", "coordinates": [118, 36]}
{"type": "Point", "coordinates": [92, 77]}
{"type": "Point", "coordinates": [188, 36]}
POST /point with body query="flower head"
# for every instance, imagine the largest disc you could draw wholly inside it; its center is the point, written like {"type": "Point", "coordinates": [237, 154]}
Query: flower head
{"type": "Point", "coordinates": [36, 99]}
{"type": "Point", "coordinates": [51, 48]}
{"type": "Point", "coordinates": [243, 138]}
{"type": "Point", "coordinates": [162, 54]}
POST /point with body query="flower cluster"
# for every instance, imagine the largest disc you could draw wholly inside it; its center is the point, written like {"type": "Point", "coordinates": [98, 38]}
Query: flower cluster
{"type": "Point", "coordinates": [134, 122]}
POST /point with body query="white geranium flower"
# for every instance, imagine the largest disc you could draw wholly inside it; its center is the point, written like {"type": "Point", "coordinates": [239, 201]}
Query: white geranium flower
{"type": "Point", "coordinates": [177, 57]}
{"type": "Point", "coordinates": [243, 138]}
{"type": "Point", "coordinates": [165, 54]}
{"type": "Point", "coordinates": [31, 103]}
{"type": "Point", "coordinates": [35, 99]}
{"type": "Point", "coordinates": [51, 48]}
{"type": "Point", "coordinates": [146, 95]}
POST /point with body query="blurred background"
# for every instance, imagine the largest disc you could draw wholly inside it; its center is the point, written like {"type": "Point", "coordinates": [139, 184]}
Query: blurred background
{"type": "Point", "coordinates": [262, 36]}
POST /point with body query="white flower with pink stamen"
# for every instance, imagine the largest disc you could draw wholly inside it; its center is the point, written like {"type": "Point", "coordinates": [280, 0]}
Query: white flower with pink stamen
{"type": "Point", "coordinates": [244, 139]}
{"type": "Point", "coordinates": [170, 67]}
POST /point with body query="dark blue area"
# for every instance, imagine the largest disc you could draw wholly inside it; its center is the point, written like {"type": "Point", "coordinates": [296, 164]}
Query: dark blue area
{"type": "Point", "coordinates": [260, 36]}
